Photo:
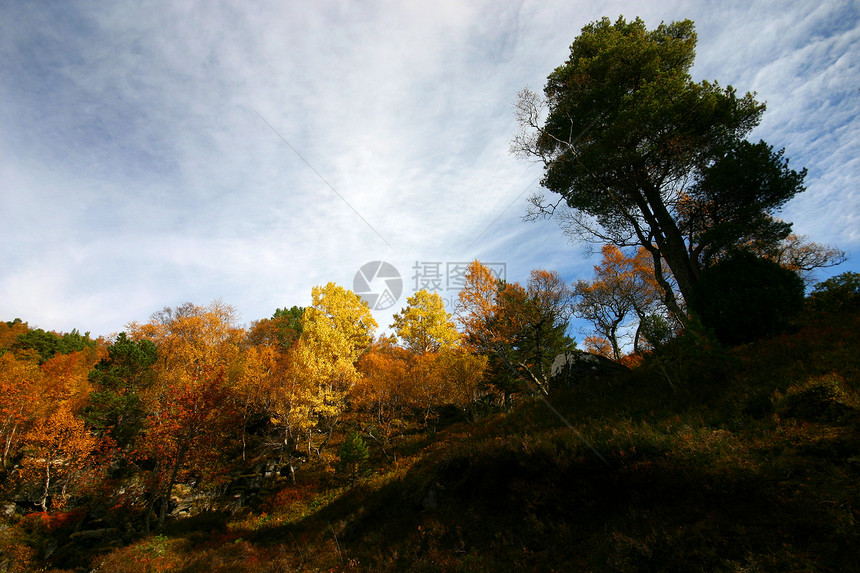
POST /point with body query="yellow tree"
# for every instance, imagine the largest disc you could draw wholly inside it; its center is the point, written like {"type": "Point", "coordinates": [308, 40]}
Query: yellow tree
{"type": "Point", "coordinates": [424, 325]}
{"type": "Point", "coordinates": [292, 401]}
{"type": "Point", "coordinates": [336, 329]}
{"type": "Point", "coordinates": [460, 374]}
{"type": "Point", "coordinates": [251, 376]}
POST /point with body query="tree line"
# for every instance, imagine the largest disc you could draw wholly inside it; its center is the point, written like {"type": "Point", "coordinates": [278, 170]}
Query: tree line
{"type": "Point", "coordinates": [638, 158]}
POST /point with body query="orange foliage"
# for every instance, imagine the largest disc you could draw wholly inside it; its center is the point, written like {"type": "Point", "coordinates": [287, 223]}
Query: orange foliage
{"type": "Point", "coordinates": [477, 304]}
{"type": "Point", "coordinates": [598, 345]}
{"type": "Point", "coordinates": [522, 326]}
{"type": "Point", "coordinates": [19, 385]}
{"type": "Point", "coordinates": [622, 286]}
{"type": "Point", "coordinates": [802, 256]}
{"type": "Point", "coordinates": [10, 332]}
{"type": "Point", "coordinates": [632, 360]}
{"type": "Point", "coordinates": [186, 434]}
{"type": "Point", "coordinates": [191, 341]}
{"type": "Point", "coordinates": [65, 376]}
{"type": "Point", "coordinates": [57, 450]}
{"type": "Point", "coordinates": [395, 380]}
{"type": "Point", "coordinates": [381, 390]}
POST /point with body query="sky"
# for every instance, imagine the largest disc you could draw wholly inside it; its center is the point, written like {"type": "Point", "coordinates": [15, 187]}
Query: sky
{"type": "Point", "coordinates": [154, 153]}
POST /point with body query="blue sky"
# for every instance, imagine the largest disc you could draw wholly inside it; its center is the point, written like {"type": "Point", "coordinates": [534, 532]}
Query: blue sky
{"type": "Point", "coordinates": [142, 163]}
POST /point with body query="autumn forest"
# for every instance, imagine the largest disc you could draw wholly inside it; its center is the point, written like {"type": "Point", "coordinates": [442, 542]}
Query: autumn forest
{"type": "Point", "coordinates": [707, 420]}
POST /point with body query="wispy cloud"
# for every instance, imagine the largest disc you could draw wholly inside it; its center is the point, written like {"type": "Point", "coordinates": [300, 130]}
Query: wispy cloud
{"type": "Point", "coordinates": [136, 173]}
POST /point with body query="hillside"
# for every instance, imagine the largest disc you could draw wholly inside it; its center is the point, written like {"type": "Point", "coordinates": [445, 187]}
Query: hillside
{"type": "Point", "coordinates": [749, 461]}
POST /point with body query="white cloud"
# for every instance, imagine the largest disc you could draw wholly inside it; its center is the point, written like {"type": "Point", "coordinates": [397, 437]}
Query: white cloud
{"type": "Point", "coordinates": [136, 172]}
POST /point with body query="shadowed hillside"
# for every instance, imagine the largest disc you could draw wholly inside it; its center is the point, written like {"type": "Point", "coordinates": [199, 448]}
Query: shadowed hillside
{"type": "Point", "coordinates": [750, 463]}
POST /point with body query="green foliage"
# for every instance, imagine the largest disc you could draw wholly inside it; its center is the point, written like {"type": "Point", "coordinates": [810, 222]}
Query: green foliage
{"type": "Point", "coordinates": [643, 155]}
{"type": "Point", "coordinates": [352, 458]}
{"type": "Point", "coordinates": [537, 318]}
{"type": "Point", "coordinates": [837, 294]}
{"type": "Point", "coordinates": [735, 198]}
{"type": "Point", "coordinates": [289, 324]}
{"type": "Point", "coordinates": [656, 330]}
{"type": "Point", "coordinates": [47, 344]}
{"type": "Point", "coordinates": [128, 365]}
{"type": "Point", "coordinates": [744, 298]}
{"type": "Point", "coordinates": [115, 406]}
{"type": "Point", "coordinates": [282, 330]}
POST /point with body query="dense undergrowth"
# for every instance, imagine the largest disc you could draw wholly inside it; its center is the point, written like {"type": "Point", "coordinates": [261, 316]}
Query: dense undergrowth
{"type": "Point", "coordinates": [713, 460]}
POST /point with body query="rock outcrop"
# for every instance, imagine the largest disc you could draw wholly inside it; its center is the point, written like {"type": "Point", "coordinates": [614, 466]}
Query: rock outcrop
{"type": "Point", "coordinates": [576, 367]}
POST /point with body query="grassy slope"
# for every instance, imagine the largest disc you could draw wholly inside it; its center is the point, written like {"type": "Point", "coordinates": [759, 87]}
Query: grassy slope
{"type": "Point", "coordinates": [750, 463]}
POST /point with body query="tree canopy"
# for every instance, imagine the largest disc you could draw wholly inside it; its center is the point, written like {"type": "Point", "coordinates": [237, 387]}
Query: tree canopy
{"type": "Point", "coordinates": [644, 156]}
{"type": "Point", "coordinates": [424, 325]}
{"type": "Point", "coordinates": [521, 328]}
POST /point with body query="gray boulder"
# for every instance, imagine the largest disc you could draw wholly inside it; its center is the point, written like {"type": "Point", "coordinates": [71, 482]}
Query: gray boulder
{"type": "Point", "coordinates": [576, 366]}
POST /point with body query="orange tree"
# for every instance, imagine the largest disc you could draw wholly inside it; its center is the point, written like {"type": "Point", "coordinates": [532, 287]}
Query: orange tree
{"type": "Point", "coordinates": [380, 396]}
{"type": "Point", "coordinates": [19, 395]}
{"type": "Point", "coordinates": [191, 405]}
{"type": "Point", "coordinates": [192, 341]}
{"type": "Point", "coordinates": [623, 286]}
{"type": "Point", "coordinates": [798, 254]}
{"type": "Point", "coordinates": [48, 444]}
{"type": "Point", "coordinates": [57, 455]}
{"type": "Point", "coordinates": [188, 434]}
{"type": "Point", "coordinates": [520, 328]}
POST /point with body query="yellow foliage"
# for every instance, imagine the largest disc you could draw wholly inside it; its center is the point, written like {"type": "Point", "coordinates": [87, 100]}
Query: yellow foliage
{"type": "Point", "coordinates": [314, 376]}
{"type": "Point", "coordinates": [424, 325]}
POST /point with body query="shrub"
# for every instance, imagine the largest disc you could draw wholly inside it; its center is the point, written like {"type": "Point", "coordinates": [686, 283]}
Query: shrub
{"type": "Point", "coordinates": [837, 294]}
{"type": "Point", "coordinates": [745, 298]}
{"type": "Point", "coordinates": [656, 330]}
{"type": "Point", "coordinates": [819, 399]}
